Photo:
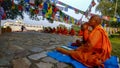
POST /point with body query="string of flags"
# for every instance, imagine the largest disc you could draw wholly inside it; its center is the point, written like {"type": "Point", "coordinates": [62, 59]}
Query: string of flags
{"type": "Point", "coordinates": [48, 9]}
{"type": "Point", "coordinates": [87, 12]}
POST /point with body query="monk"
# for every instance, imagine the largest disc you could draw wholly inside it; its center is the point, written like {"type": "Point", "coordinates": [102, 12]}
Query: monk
{"type": "Point", "coordinates": [84, 33]}
{"type": "Point", "coordinates": [54, 30]}
{"type": "Point", "coordinates": [72, 32]}
{"type": "Point", "coordinates": [65, 31]}
{"type": "Point", "coordinates": [46, 30]}
{"type": "Point", "coordinates": [59, 30]}
{"type": "Point", "coordinates": [97, 48]}
{"type": "Point", "coordinates": [50, 30]}
{"type": "Point", "coordinates": [80, 32]}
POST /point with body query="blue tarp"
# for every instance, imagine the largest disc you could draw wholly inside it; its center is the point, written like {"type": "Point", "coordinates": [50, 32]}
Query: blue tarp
{"type": "Point", "coordinates": [110, 63]}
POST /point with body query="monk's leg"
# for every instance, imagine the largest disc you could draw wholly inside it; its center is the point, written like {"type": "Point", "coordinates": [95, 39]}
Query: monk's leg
{"type": "Point", "coordinates": [64, 51]}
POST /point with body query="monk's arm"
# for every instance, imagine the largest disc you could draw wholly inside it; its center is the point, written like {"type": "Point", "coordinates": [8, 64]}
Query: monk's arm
{"type": "Point", "coordinates": [96, 41]}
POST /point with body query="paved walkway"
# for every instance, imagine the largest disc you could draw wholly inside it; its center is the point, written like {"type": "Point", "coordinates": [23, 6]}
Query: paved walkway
{"type": "Point", "coordinates": [28, 50]}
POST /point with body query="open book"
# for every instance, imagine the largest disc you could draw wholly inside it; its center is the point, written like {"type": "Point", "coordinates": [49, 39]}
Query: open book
{"type": "Point", "coordinates": [65, 47]}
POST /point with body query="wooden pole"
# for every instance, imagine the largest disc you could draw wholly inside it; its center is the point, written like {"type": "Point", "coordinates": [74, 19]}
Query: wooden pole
{"type": "Point", "coordinates": [115, 8]}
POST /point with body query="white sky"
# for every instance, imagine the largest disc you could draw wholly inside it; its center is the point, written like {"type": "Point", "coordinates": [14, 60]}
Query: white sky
{"type": "Point", "coordinates": [79, 4]}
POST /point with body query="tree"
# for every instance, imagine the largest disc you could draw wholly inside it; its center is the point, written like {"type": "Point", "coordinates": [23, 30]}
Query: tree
{"type": "Point", "coordinates": [109, 8]}
{"type": "Point", "coordinates": [76, 27]}
{"type": "Point", "coordinates": [12, 10]}
{"type": "Point", "coordinates": [106, 7]}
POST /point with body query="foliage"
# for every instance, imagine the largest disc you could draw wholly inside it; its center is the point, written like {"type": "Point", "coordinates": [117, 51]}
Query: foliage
{"type": "Point", "coordinates": [61, 25]}
{"type": "Point", "coordinates": [11, 10]}
{"type": "Point", "coordinates": [107, 8]}
{"type": "Point", "coordinates": [114, 24]}
{"type": "Point", "coordinates": [15, 9]}
{"type": "Point", "coordinates": [115, 46]}
{"type": "Point", "coordinates": [76, 27]}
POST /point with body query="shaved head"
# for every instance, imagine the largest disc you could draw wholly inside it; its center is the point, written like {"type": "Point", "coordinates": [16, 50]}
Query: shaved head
{"type": "Point", "coordinates": [95, 20]}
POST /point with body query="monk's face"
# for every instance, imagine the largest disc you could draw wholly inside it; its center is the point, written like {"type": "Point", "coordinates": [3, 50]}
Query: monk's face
{"type": "Point", "coordinates": [94, 21]}
{"type": "Point", "coordinates": [85, 26]}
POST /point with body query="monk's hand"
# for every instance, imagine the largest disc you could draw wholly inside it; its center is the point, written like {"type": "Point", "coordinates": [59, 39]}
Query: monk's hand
{"type": "Point", "coordinates": [90, 28]}
{"type": "Point", "coordinates": [58, 48]}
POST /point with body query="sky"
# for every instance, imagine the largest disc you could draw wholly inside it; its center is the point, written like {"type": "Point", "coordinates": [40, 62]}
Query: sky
{"type": "Point", "coordinates": [79, 4]}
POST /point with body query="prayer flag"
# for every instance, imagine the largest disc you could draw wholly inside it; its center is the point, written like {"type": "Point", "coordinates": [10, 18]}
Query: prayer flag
{"type": "Point", "coordinates": [106, 18]}
{"type": "Point", "coordinates": [54, 1]}
{"type": "Point", "coordinates": [93, 3]}
{"type": "Point", "coordinates": [60, 8]}
{"type": "Point", "coordinates": [32, 2]}
{"type": "Point", "coordinates": [1, 11]}
{"type": "Point", "coordinates": [66, 9]}
{"type": "Point", "coordinates": [118, 19]}
{"type": "Point", "coordinates": [114, 19]}
{"type": "Point", "coordinates": [72, 20]}
{"type": "Point", "coordinates": [27, 1]}
{"type": "Point", "coordinates": [76, 11]}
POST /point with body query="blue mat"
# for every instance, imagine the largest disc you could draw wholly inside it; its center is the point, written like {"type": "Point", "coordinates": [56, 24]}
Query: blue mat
{"type": "Point", "coordinates": [65, 58]}
{"type": "Point", "coordinates": [111, 63]}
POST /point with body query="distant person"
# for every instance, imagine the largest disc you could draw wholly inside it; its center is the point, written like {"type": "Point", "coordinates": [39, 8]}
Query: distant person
{"type": "Point", "coordinates": [65, 31]}
{"type": "Point", "coordinates": [72, 32]}
{"type": "Point", "coordinates": [50, 30]}
{"type": "Point", "coordinates": [54, 30]}
{"type": "Point", "coordinates": [59, 30]}
{"type": "Point", "coordinates": [22, 28]}
{"type": "Point", "coordinates": [46, 30]}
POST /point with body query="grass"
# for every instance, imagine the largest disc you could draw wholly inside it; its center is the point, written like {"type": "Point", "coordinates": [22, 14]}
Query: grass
{"type": "Point", "coordinates": [115, 41]}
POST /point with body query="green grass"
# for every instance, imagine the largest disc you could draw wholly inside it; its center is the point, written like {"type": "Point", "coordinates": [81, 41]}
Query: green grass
{"type": "Point", "coordinates": [115, 41]}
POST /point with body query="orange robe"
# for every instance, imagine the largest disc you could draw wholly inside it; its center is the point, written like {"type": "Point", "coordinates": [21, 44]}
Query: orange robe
{"type": "Point", "coordinates": [85, 35]}
{"type": "Point", "coordinates": [54, 30]}
{"type": "Point", "coordinates": [80, 33]}
{"type": "Point", "coordinates": [96, 50]}
{"type": "Point", "coordinates": [72, 32]}
{"type": "Point", "coordinates": [59, 30]}
{"type": "Point", "coordinates": [65, 31]}
{"type": "Point", "coordinates": [46, 30]}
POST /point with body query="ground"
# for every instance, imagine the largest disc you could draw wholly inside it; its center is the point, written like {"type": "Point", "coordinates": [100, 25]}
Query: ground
{"type": "Point", "coordinates": [115, 40]}
{"type": "Point", "coordinates": [28, 50]}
